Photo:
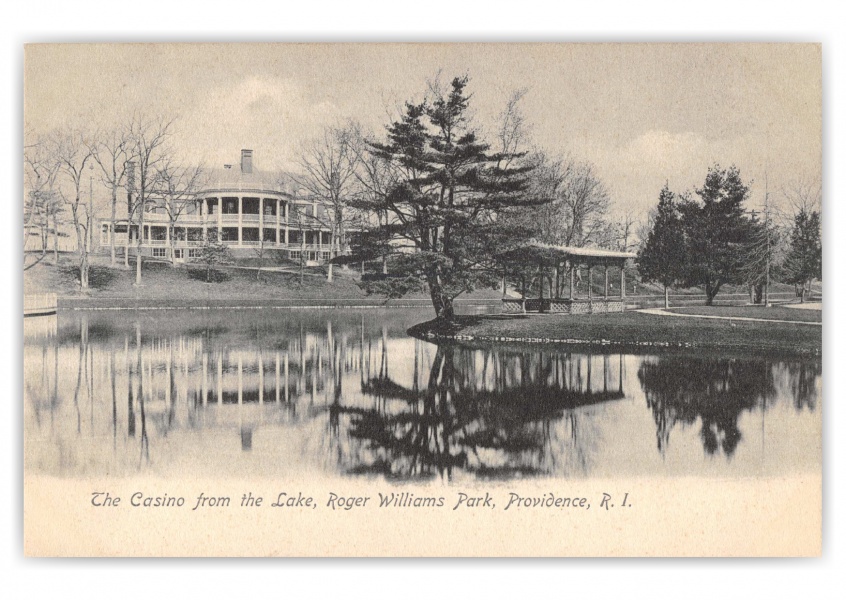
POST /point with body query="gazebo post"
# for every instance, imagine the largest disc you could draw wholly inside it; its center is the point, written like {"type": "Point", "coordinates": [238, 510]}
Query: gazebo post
{"type": "Point", "coordinates": [590, 281]}
{"type": "Point", "coordinates": [606, 281]}
{"type": "Point", "coordinates": [523, 292]}
{"type": "Point", "coordinates": [557, 279]}
{"type": "Point", "coordinates": [540, 287]}
{"type": "Point", "coordinates": [503, 283]}
{"type": "Point", "coordinates": [623, 285]}
{"type": "Point", "coordinates": [572, 279]}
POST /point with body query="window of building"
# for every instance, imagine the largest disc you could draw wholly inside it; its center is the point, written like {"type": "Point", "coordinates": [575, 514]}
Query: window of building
{"type": "Point", "coordinates": [324, 255]}
{"type": "Point", "coordinates": [311, 237]}
{"type": "Point", "coordinates": [295, 237]}
{"type": "Point", "coordinates": [120, 228]}
{"type": "Point", "coordinates": [195, 234]}
{"type": "Point", "coordinates": [159, 252]}
{"type": "Point", "coordinates": [312, 255]}
{"type": "Point", "coordinates": [269, 207]}
{"type": "Point", "coordinates": [250, 206]}
{"type": "Point", "coordinates": [229, 234]}
{"type": "Point", "coordinates": [326, 237]}
{"type": "Point", "coordinates": [158, 233]}
{"type": "Point", "coordinates": [230, 206]}
{"type": "Point", "coordinates": [250, 234]}
{"type": "Point", "coordinates": [211, 206]}
{"type": "Point", "coordinates": [194, 252]}
{"type": "Point", "coordinates": [178, 253]}
{"type": "Point", "coordinates": [295, 254]}
{"type": "Point", "coordinates": [269, 235]}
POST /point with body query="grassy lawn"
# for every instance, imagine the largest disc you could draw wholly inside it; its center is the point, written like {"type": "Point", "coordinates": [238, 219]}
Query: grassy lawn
{"type": "Point", "coordinates": [755, 312]}
{"type": "Point", "coordinates": [633, 329]}
{"type": "Point", "coordinates": [162, 282]}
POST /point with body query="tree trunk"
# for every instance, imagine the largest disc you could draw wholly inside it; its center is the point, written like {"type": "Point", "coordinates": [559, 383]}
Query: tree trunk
{"type": "Point", "coordinates": [709, 294]}
{"type": "Point", "coordinates": [55, 240]}
{"type": "Point", "coordinates": [126, 245]}
{"type": "Point", "coordinates": [138, 259]}
{"type": "Point", "coordinates": [80, 243]}
{"type": "Point", "coordinates": [666, 297]}
{"type": "Point", "coordinates": [83, 271]}
{"type": "Point", "coordinates": [112, 230]}
{"type": "Point", "coordinates": [441, 302]}
{"type": "Point", "coordinates": [331, 254]}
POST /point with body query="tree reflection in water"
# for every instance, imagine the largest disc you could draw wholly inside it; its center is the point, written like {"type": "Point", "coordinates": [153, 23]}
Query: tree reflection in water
{"type": "Point", "coordinates": [497, 426]}
{"type": "Point", "coordinates": [715, 392]}
{"type": "Point", "coordinates": [350, 392]}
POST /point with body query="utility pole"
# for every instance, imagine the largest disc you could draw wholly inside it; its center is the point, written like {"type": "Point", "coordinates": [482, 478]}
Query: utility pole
{"type": "Point", "coordinates": [767, 226]}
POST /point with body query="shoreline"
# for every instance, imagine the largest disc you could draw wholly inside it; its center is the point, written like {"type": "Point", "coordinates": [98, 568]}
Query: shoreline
{"type": "Point", "coordinates": [76, 303]}
{"type": "Point", "coordinates": [625, 331]}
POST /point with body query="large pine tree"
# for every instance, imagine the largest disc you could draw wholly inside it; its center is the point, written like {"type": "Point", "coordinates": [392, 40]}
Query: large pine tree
{"type": "Point", "coordinates": [804, 260]}
{"type": "Point", "coordinates": [662, 258]}
{"type": "Point", "coordinates": [442, 208]}
{"type": "Point", "coordinates": [717, 231]}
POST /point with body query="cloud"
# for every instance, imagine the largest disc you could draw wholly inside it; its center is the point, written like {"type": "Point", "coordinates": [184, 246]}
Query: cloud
{"type": "Point", "coordinates": [272, 116]}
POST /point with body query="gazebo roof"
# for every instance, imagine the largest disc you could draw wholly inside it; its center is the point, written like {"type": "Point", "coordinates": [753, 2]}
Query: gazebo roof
{"type": "Point", "coordinates": [534, 251]}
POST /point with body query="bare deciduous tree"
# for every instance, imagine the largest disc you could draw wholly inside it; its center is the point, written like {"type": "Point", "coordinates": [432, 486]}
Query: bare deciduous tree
{"type": "Point", "coordinates": [328, 167]}
{"type": "Point", "coordinates": [111, 152]}
{"type": "Point", "coordinates": [576, 215]}
{"type": "Point", "coordinates": [74, 153]}
{"type": "Point", "coordinates": [41, 202]}
{"type": "Point", "coordinates": [177, 186]}
{"type": "Point", "coordinates": [147, 150]}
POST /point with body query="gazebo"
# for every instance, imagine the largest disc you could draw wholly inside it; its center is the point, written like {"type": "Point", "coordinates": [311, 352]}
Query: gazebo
{"type": "Point", "coordinates": [548, 263]}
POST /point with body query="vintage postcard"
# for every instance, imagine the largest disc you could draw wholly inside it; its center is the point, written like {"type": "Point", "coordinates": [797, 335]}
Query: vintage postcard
{"type": "Point", "coordinates": [422, 299]}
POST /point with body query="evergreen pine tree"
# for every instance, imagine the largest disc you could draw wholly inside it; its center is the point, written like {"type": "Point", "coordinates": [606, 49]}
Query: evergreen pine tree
{"type": "Point", "coordinates": [804, 260]}
{"type": "Point", "coordinates": [442, 208]}
{"type": "Point", "coordinates": [662, 258]}
{"type": "Point", "coordinates": [717, 232]}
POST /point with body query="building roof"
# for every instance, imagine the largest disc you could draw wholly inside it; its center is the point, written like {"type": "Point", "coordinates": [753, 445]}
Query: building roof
{"type": "Point", "coordinates": [534, 251]}
{"type": "Point", "coordinates": [234, 179]}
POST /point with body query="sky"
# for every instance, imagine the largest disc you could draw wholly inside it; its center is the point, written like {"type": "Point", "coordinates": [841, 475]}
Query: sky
{"type": "Point", "coordinates": [643, 114]}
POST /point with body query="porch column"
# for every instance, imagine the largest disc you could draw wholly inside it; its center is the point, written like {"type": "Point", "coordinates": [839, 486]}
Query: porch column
{"type": "Point", "coordinates": [278, 218]}
{"type": "Point", "coordinates": [287, 220]}
{"type": "Point", "coordinates": [219, 218]}
{"type": "Point", "coordinates": [240, 220]}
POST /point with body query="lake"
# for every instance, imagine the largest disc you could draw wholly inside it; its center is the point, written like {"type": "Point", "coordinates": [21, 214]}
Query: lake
{"type": "Point", "coordinates": [293, 393]}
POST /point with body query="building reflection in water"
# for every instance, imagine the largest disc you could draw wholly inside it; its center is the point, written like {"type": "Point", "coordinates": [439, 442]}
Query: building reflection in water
{"type": "Point", "coordinates": [281, 392]}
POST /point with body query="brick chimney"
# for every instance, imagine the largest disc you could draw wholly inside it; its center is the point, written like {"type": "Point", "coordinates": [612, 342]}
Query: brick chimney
{"type": "Point", "coordinates": [246, 161]}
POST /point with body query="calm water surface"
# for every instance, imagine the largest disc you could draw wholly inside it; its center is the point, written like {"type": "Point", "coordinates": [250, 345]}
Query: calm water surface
{"type": "Point", "coordinates": [290, 393]}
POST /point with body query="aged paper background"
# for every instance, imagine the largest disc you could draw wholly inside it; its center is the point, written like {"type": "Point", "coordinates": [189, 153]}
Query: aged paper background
{"type": "Point", "coordinates": [669, 516]}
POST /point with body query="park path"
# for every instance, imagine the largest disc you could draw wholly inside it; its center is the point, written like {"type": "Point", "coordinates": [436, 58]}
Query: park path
{"type": "Point", "coordinates": [805, 306]}
{"type": "Point", "coordinates": [664, 313]}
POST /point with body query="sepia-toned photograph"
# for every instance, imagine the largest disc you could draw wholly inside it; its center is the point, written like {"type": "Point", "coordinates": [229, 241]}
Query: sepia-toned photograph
{"type": "Point", "coordinates": [444, 299]}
